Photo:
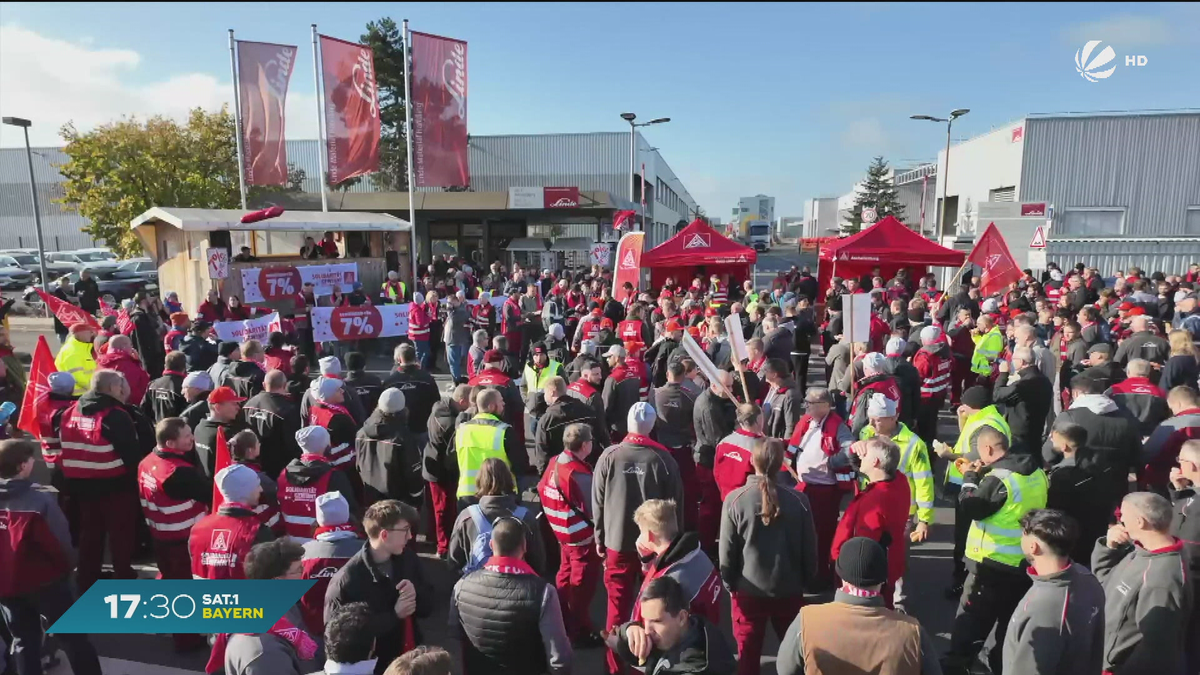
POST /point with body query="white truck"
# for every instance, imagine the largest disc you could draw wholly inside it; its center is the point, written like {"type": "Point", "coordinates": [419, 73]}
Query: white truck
{"type": "Point", "coordinates": [758, 233]}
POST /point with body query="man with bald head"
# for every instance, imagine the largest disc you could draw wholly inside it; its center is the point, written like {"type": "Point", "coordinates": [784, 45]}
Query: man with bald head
{"type": "Point", "coordinates": [121, 358]}
{"type": "Point", "coordinates": [1026, 335]}
{"type": "Point", "coordinates": [1142, 343]}
{"type": "Point", "coordinates": [275, 418]}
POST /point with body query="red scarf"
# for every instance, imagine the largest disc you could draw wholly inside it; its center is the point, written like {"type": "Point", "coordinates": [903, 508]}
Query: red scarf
{"type": "Point", "coordinates": [638, 439]}
{"type": "Point", "coordinates": [858, 592]}
{"type": "Point", "coordinates": [506, 565]}
{"type": "Point", "coordinates": [309, 457]}
{"type": "Point", "coordinates": [165, 372]}
{"type": "Point", "coordinates": [324, 529]}
{"type": "Point", "coordinates": [306, 648]}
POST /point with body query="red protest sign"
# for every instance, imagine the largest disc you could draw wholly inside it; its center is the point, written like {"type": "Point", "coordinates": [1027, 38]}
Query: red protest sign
{"type": "Point", "coordinates": [356, 323]}
{"type": "Point", "coordinates": [38, 389]}
{"type": "Point", "coordinates": [278, 282]}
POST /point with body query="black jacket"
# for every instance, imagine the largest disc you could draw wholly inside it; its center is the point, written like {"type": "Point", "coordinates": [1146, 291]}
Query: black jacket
{"type": "Point", "coordinates": [1186, 523]}
{"type": "Point", "coordinates": [501, 618]}
{"type": "Point", "coordinates": [164, 398]}
{"type": "Point", "coordinates": [1145, 345]}
{"type": "Point", "coordinates": [439, 464]}
{"type": "Point", "coordinates": [201, 354]}
{"type": "Point", "coordinates": [804, 329]}
{"type": "Point", "coordinates": [675, 405]}
{"type": "Point", "coordinates": [619, 396]}
{"type": "Point", "coordinates": [389, 460]}
{"type": "Point", "coordinates": [1027, 403]}
{"type": "Point", "coordinates": [368, 387]}
{"type": "Point", "coordinates": [658, 357]}
{"type": "Point", "coordinates": [245, 378]}
{"type": "Point", "coordinates": [147, 341]}
{"type": "Point", "coordinates": [778, 345]}
{"type": "Point", "coordinates": [1089, 491]}
{"type": "Point", "coordinates": [702, 651]}
{"type": "Point", "coordinates": [1107, 374]}
{"type": "Point", "coordinates": [275, 419]}
{"type": "Point", "coordinates": [300, 472]}
{"type": "Point", "coordinates": [983, 495]}
{"type": "Point", "coordinates": [1114, 435]}
{"type": "Point", "coordinates": [909, 382]}
{"type": "Point", "coordinates": [206, 441]}
{"type": "Point", "coordinates": [549, 439]}
{"type": "Point", "coordinates": [1179, 370]}
{"type": "Point", "coordinates": [118, 428]}
{"type": "Point", "coordinates": [714, 417]}
{"type": "Point", "coordinates": [89, 295]}
{"type": "Point", "coordinates": [420, 394]}
{"type": "Point", "coordinates": [187, 482]}
{"type": "Point", "coordinates": [361, 580]}
{"type": "Point", "coordinates": [195, 412]}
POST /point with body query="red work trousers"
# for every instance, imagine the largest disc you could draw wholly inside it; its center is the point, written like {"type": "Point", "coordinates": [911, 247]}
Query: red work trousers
{"type": "Point", "coordinates": [751, 614]}
{"type": "Point", "coordinates": [826, 503]}
{"type": "Point", "coordinates": [113, 518]}
{"type": "Point", "coordinates": [174, 562]}
{"type": "Point", "coordinates": [445, 511]}
{"type": "Point", "coordinates": [578, 575]}
{"type": "Point", "coordinates": [691, 493]}
{"type": "Point", "coordinates": [708, 511]}
{"type": "Point", "coordinates": [621, 572]}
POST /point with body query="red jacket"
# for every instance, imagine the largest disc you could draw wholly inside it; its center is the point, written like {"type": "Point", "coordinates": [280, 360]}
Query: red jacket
{"type": "Point", "coordinates": [878, 509]}
{"type": "Point", "coordinates": [129, 366]}
{"type": "Point", "coordinates": [279, 359]}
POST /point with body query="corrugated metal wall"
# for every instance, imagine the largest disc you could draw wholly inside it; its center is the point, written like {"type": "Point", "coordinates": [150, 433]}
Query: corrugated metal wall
{"type": "Point", "coordinates": [61, 227]}
{"type": "Point", "coordinates": [1168, 257]}
{"type": "Point", "coordinates": [598, 161]}
{"type": "Point", "coordinates": [1148, 164]}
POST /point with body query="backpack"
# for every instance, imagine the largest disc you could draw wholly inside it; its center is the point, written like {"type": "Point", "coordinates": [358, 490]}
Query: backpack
{"type": "Point", "coordinates": [481, 547]}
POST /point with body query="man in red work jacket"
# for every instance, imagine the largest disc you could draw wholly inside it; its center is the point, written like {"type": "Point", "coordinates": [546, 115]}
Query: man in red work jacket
{"type": "Point", "coordinates": [566, 494]}
{"type": "Point", "coordinates": [483, 315]}
{"type": "Point", "coordinates": [100, 455]}
{"type": "Point", "coordinates": [588, 328]}
{"type": "Point", "coordinates": [880, 508]}
{"type": "Point", "coordinates": [935, 365]}
{"type": "Point", "coordinates": [308, 477]}
{"type": "Point", "coordinates": [634, 328]}
{"type": "Point", "coordinates": [175, 495]}
{"type": "Point", "coordinates": [677, 555]}
{"type": "Point", "coordinates": [419, 321]}
{"type": "Point", "coordinates": [218, 544]}
{"type": "Point", "coordinates": [510, 319]}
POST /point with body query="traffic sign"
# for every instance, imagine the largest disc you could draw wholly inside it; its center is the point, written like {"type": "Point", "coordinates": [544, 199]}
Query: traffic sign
{"type": "Point", "coordinates": [1039, 238]}
{"type": "Point", "coordinates": [868, 214]}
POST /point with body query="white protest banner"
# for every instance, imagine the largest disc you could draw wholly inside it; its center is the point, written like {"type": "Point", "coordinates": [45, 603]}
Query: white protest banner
{"type": "Point", "coordinates": [218, 263]}
{"type": "Point", "coordinates": [856, 317]}
{"type": "Point", "coordinates": [705, 364]}
{"type": "Point", "coordinates": [262, 284]}
{"type": "Point", "coordinates": [601, 254]}
{"type": "Point", "coordinates": [335, 324]}
{"type": "Point", "coordinates": [737, 339]}
{"type": "Point", "coordinates": [250, 329]}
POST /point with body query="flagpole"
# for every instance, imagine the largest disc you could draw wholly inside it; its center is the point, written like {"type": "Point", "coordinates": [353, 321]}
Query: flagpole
{"type": "Point", "coordinates": [237, 118]}
{"type": "Point", "coordinates": [408, 142]}
{"type": "Point", "coordinates": [321, 131]}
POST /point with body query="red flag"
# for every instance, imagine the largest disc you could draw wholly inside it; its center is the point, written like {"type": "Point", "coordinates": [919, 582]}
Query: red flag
{"type": "Point", "coordinates": [629, 263]}
{"type": "Point", "coordinates": [38, 389]}
{"type": "Point", "coordinates": [999, 267]}
{"type": "Point", "coordinates": [264, 70]}
{"type": "Point", "coordinates": [439, 113]}
{"type": "Point", "coordinates": [106, 310]}
{"type": "Point", "coordinates": [620, 217]}
{"type": "Point", "coordinates": [222, 460]}
{"type": "Point", "coordinates": [262, 214]}
{"type": "Point", "coordinates": [351, 109]}
{"type": "Point", "coordinates": [67, 313]}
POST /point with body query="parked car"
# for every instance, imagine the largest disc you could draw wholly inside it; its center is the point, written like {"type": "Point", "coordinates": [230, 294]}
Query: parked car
{"type": "Point", "coordinates": [12, 276]}
{"type": "Point", "coordinates": [144, 267]}
{"type": "Point", "coordinates": [97, 259]}
{"type": "Point", "coordinates": [28, 260]}
{"type": "Point", "coordinates": [62, 264]}
{"type": "Point", "coordinates": [115, 285]}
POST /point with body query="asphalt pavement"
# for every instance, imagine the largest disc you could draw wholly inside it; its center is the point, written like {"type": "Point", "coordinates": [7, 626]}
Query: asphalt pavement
{"type": "Point", "coordinates": [928, 573]}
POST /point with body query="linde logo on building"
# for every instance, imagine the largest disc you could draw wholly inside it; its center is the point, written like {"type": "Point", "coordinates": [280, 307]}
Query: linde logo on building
{"type": "Point", "coordinates": [1091, 67]}
{"type": "Point", "coordinates": [698, 241]}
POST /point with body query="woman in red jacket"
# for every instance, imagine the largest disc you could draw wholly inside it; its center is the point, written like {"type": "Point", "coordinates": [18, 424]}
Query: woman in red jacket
{"type": "Point", "coordinates": [236, 311]}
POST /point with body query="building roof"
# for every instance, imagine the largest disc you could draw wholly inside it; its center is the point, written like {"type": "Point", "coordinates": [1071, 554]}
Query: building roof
{"type": "Point", "coordinates": [211, 220]}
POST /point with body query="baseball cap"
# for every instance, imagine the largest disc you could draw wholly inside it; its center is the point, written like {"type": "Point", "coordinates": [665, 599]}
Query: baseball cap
{"type": "Point", "coordinates": [539, 349]}
{"type": "Point", "coordinates": [615, 350]}
{"type": "Point", "coordinates": [1100, 348]}
{"type": "Point", "coordinates": [62, 383]}
{"type": "Point", "coordinates": [224, 395]}
{"type": "Point", "coordinates": [493, 356]}
{"type": "Point", "coordinates": [227, 348]}
{"type": "Point", "coordinates": [672, 325]}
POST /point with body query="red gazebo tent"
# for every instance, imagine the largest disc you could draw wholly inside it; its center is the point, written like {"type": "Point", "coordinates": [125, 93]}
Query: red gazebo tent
{"type": "Point", "coordinates": [696, 246]}
{"type": "Point", "coordinates": [888, 245]}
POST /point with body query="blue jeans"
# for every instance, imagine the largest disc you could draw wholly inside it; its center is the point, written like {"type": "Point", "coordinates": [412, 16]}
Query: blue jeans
{"type": "Point", "coordinates": [455, 356]}
{"type": "Point", "coordinates": [422, 347]}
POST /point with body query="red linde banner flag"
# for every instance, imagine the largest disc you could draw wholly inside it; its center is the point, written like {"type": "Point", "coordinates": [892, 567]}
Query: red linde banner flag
{"type": "Point", "coordinates": [629, 264]}
{"type": "Point", "coordinates": [351, 109]}
{"type": "Point", "coordinates": [264, 71]}
{"type": "Point", "coordinates": [999, 267]}
{"type": "Point", "coordinates": [38, 389]}
{"type": "Point", "coordinates": [67, 313]}
{"type": "Point", "coordinates": [439, 113]}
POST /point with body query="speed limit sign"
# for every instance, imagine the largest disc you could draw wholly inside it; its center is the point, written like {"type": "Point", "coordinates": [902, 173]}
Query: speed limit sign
{"type": "Point", "coordinates": [868, 214]}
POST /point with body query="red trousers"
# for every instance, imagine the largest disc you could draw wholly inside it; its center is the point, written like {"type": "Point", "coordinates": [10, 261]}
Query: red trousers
{"type": "Point", "coordinates": [621, 572]}
{"type": "Point", "coordinates": [578, 575]}
{"type": "Point", "coordinates": [751, 614]}
{"type": "Point", "coordinates": [826, 504]}
{"type": "Point", "coordinates": [691, 493]}
{"type": "Point", "coordinates": [113, 518]}
{"type": "Point", "coordinates": [174, 562]}
{"type": "Point", "coordinates": [445, 511]}
{"type": "Point", "coordinates": [708, 511]}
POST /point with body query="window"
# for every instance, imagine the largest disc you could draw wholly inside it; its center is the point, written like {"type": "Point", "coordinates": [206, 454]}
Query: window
{"type": "Point", "coordinates": [277, 243]}
{"type": "Point", "coordinates": [1097, 222]}
{"type": "Point", "coordinates": [1004, 194]}
{"type": "Point", "coordinates": [1191, 222]}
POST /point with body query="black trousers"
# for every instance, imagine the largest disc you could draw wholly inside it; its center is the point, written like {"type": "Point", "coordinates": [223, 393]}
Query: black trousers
{"type": "Point", "coordinates": [962, 525]}
{"type": "Point", "coordinates": [988, 601]}
{"type": "Point", "coordinates": [927, 419]}
{"type": "Point", "coordinates": [800, 369]}
{"type": "Point", "coordinates": [23, 615]}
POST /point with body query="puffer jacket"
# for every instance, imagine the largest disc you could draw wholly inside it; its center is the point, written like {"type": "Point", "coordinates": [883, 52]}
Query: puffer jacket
{"type": "Point", "coordinates": [1114, 435]}
{"type": "Point", "coordinates": [439, 464]}
{"type": "Point", "coordinates": [389, 460]}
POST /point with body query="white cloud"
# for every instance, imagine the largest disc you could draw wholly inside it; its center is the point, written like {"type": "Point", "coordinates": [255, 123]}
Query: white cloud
{"type": "Point", "coordinates": [865, 132]}
{"type": "Point", "coordinates": [52, 81]}
{"type": "Point", "coordinates": [1124, 30]}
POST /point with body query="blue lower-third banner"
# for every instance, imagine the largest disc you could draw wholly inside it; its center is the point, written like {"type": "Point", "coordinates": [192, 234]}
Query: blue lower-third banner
{"type": "Point", "coordinates": [181, 606]}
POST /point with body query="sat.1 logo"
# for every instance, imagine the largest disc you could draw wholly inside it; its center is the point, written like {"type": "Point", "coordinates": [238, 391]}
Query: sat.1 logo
{"type": "Point", "coordinates": [1091, 64]}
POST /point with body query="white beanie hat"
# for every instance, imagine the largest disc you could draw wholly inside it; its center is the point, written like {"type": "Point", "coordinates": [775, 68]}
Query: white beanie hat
{"type": "Point", "coordinates": [236, 483]}
{"type": "Point", "coordinates": [641, 418]}
{"type": "Point", "coordinates": [313, 440]}
{"type": "Point", "coordinates": [556, 331]}
{"type": "Point", "coordinates": [332, 509]}
{"type": "Point", "coordinates": [990, 306]}
{"type": "Point", "coordinates": [873, 363]}
{"type": "Point", "coordinates": [880, 406]}
{"type": "Point", "coordinates": [330, 365]}
{"type": "Point", "coordinates": [323, 388]}
{"type": "Point", "coordinates": [391, 401]}
{"type": "Point", "coordinates": [930, 335]}
{"type": "Point", "coordinates": [895, 347]}
{"type": "Point", "coordinates": [419, 298]}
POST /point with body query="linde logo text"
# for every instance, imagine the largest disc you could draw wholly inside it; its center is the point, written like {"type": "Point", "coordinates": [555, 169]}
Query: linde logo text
{"type": "Point", "coordinates": [1094, 65]}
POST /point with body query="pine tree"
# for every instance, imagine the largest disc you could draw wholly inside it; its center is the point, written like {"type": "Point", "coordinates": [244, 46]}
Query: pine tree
{"type": "Point", "coordinates": [878, 191]}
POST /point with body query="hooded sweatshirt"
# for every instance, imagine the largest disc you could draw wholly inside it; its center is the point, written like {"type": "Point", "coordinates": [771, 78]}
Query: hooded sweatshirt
{"type": "Point", "coordinates": [302, 473]}
{"type": "Point", "coordinates": [1058, 627]}
{"type": "Point", "coordinates": [1114, 434]}
{"type": "Point", "coordinates": [389, 460]}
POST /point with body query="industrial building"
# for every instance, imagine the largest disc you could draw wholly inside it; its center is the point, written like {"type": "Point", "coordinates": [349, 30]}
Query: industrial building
{"type": "Point", "coordinates": [62, 227]}
{"type": "Point", "coordinates": [758, 207]}
{"type": "Point", "coordinates": [821, 217]}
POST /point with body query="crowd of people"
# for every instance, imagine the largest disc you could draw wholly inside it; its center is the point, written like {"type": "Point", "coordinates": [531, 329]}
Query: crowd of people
{"type": "Point", "coordinates": [594, 436]}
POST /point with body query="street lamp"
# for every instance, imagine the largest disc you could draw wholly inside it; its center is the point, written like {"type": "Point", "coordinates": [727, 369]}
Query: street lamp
{"type": "Point", "coordinates": [37, 217]}
{"type": "Point", "coordinates": [954, 114]}
{"type": "Point", "coordinates": [633, 126]}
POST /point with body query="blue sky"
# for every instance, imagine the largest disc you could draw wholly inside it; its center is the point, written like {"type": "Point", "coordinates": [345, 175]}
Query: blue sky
{"type": "Point", "coordinates": [787, 100]}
